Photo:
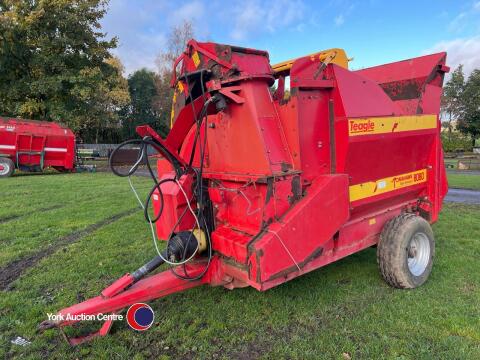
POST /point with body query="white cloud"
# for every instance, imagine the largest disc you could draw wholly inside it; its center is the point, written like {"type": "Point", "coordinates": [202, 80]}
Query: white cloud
{"type": "Point", "coordinates": [142, 26]}
{"type": "Point", "coordinates": [283, 13]}
{"type": "Point", "coordinates": [189, 12]}
{"type": "Point", "coordinates": [460, 51]}
{"type": "Point", "coordinates": [465, 18]}
{"type": "Point", "coordinates": [346, 7]}
{"type": "Point", "coordinates": [458, 23]}
{"type": "Point", "coordinates": [254, 16]}
{"type": "Point", "coordinates": [139, 32]}
{"type": "Point", "coordinates": [248, 17]}
{"type": "Point", "coordinates": [339, 20]}
{"type": "Point", "coordinates": [301, 27]}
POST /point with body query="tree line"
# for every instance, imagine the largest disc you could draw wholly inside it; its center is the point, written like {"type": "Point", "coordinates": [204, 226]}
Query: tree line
{"type": "Point", "coordinates": [56, 64]}
{"type": "Point", "coordinates": [461, 110]}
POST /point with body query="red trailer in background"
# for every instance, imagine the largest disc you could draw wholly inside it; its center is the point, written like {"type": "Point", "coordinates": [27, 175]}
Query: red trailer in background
{"type": "Point", "coordinates": [31, 145]}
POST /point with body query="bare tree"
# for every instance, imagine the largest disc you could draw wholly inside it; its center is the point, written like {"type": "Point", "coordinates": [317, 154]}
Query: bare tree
{"type": "Point", "coordinates": [177, 40]}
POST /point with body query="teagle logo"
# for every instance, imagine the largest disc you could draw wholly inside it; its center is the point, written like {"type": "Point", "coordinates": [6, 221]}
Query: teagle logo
{"type": "Point", "coordinates": [361, 127]}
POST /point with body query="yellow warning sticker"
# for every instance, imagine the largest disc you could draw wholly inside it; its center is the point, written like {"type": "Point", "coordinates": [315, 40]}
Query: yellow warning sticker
{"type": "Point", "coordinates": [373, 188]}
{"type": "Point", "coordinates": [196, 59]}
{"type": "Point", "coordinates": [180, 86]}
{"type": "Point", "coordinates": [177, 91]}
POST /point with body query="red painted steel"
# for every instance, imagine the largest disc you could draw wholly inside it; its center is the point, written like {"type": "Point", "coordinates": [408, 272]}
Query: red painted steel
{"type": "Point", "coordinates": [175, 205]}
{"type": "Point", "coordinates": [301, 182]}
{"type": "Point", "coordinates": [34, 145]}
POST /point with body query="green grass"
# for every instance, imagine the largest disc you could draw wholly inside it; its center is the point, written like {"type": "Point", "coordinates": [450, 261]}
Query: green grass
{"type": "Point", "coordinates": [464, 181]}
{"type": "Point", "coordinates": [451, 162]}
{"type": "Point", "coordinates": [343, 308]}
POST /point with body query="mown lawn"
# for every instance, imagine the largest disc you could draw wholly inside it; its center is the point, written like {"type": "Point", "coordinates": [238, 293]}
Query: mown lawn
{"type": "Point", "coordinates": [464, 181]}
{"type": "Point", "coordinates": [344, 310]}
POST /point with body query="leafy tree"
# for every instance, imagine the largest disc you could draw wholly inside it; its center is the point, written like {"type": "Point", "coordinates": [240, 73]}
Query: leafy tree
{"type": "Point", "coordinates": [461, 102]}
{"type": "Point", "coordinates": [141, 110]}
{"type": "Point", "coordinates": [55, 64]}
{"type": "Point", "coordinates": [469, 122]}
{"type": "Point", "coordinates": [452, 98]}
{"type": "Point", "coordinates": [456, 142]}
{"type": "Point", "coordinates": [105, 94]}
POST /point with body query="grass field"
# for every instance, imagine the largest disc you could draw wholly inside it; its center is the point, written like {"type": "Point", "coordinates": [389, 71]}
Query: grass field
{"type": "Point", "coordinates": [343, 310]}
{"type": "Point", "coordinates": [464, 181]}
{"type": "Point", "coordinates": [452, 163]}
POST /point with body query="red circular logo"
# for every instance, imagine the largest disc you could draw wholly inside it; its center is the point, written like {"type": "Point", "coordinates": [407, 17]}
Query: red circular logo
{"type": "Point", "coordinates": [140, 316]}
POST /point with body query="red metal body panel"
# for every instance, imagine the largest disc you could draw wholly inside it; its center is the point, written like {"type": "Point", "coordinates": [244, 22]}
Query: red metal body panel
{"type": "Point", "coordinates": [414, 85]}
{"type": "Point", "coordinates": [174, 206]}
{"type": "Point", "coordinates": [37, 144]}
{"type": "Point", "coordinates": [304, 232]}
{"type": "Point", "coordinates": [299, 183]}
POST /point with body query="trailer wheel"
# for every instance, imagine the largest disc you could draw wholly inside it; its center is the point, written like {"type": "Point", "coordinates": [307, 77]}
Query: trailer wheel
{"type": "Point", "coordinates": [405, 251]}
{"type": "Point", "coordinates": [7, 167]}
{"type": "Point", "coordinates": [61, 169]}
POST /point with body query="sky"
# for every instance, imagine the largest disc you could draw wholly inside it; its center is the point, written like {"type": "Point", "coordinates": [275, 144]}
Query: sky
{"type": "Point", "coordinates": [371, 31]}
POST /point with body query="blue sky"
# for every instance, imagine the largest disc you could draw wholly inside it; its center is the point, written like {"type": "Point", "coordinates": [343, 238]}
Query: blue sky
{"type": "Point", "coordinates": [371, 31]}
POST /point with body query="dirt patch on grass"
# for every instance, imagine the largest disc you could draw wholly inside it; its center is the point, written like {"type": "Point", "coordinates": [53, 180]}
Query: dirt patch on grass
{"type": "Point", "coordinates": [14, 217]}
{"type": "Point", "coordinates": [13, 270]}
{"type": "Point", "coordinates": [9, 218]}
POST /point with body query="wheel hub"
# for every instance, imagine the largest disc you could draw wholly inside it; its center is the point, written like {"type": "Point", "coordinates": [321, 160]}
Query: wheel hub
{"type": "Point", "coordinates": [418, 252]}
{"type": "Point", "coordinates": [4, 169]}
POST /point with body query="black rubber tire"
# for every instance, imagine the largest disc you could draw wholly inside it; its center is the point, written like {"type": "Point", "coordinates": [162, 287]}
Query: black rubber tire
{"type": "Point", "coordinates": [9, 165]}
{"type": "Point", "coordinates": [392, 251]}
{"type": "Point", "coordinates": [62, 170]}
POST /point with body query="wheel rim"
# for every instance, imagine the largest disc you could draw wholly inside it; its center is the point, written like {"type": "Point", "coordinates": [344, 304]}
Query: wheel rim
{"type": "Point", "coordinates": [4, 169]}
{"type": "Point", "coordinates": [418, 251]}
